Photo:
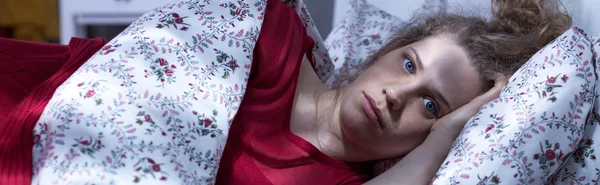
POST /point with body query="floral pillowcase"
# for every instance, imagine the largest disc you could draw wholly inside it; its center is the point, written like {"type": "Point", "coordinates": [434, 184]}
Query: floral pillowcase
{"type": "Point", "coordinates": [540, 128]}
{"type": "Point", "coordinates": [583, 167]}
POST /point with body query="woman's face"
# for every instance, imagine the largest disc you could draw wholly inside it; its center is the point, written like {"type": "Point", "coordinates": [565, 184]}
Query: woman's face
{"type": "Point", "coordinates": [390, 108]}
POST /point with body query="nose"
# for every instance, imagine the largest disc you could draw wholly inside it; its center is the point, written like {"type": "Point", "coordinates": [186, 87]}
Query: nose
{"type": "Point", "coordinates": [395, 97]}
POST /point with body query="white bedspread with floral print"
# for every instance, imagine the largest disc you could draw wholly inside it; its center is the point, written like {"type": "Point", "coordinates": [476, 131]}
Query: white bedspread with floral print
{"type": "Point", "coordinates": [154, 105]}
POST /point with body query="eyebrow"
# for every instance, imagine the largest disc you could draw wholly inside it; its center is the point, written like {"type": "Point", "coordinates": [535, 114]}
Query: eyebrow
{"type": "Point", "coordinates": [419, 63]}
{"type": "Point", "coordinates": [442, 99]}
{"type": "Point", "coordinates": [435, 93]}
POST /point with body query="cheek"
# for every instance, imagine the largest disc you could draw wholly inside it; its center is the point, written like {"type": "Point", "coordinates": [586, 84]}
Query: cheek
{"type": "Point", "coordinates": [415, 126]}
{"type": "Point", "coordinates": [350, 115]}
{"type": "Point", "coordinates": [346, 109]}
{"type": "Point", "coordinates": [413, 117]}
{"type": "Point", "coordinates": [410, 135]}
{"type": "Point", "coordinates": [412, 123]}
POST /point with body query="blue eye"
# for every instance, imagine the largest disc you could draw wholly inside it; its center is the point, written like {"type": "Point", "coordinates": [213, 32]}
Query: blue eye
{"type": "Point", "coordinates": [409, 65]}
{"type": "Point", "coordinates": [430, 106]}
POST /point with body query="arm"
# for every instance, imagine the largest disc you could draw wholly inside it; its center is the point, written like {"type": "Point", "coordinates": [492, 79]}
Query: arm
{"type": "Point", "coordinates": [419, 166]}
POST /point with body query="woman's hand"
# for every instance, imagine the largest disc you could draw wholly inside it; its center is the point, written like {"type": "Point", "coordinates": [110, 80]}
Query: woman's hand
{"type": "Point", "coordinates": [454, 122]}
{"type": "Point", "coordinates": [419, 166]}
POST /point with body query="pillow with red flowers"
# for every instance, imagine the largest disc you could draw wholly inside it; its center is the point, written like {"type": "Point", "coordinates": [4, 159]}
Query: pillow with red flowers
{"type": "Point", "coordinates": [582, 166]}
{"type": "Point", "coordinates": [540, 122]}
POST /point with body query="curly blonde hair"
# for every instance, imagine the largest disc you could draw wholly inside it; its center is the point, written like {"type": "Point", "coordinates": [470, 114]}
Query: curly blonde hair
{"type": "Point", "coordinates": [519, 29]}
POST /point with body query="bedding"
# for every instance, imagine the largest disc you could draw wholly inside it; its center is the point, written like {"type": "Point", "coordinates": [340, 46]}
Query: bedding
{"type": "Point", "coordinates": [364, 30]}
{"type": "Point", "coordinates": [153, 105]}
{"type": "Point", "coordinates": [583, 166]}
{"type": "Point", "coordinates": [540, 121]}
{"type": "Point", "coordinates": [181, 71]}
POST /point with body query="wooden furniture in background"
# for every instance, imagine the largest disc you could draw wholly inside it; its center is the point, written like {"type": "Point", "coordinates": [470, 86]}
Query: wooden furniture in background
{"type": "Point", "coordinates": [31, 20]}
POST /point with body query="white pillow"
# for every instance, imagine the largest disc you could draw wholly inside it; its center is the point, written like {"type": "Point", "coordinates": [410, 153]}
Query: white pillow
{"type": "Point", "coordinates": [583, 167]}
{"type": "Point", "coordinates": [536, 124]}
{"type": "Point", "coordinates": [364, 30]}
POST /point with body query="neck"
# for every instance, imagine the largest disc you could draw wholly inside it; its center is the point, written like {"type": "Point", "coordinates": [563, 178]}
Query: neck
{"type": "Point", "coordinates": [315, 118]}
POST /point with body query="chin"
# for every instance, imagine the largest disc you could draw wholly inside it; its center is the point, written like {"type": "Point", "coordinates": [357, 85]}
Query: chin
{"type": "Point", "coordinates": [352, 118]}
{"type": "Point", "coordinates": [355, 128]}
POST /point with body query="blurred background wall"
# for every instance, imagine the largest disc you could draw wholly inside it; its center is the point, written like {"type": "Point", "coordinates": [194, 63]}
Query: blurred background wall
{"type": "Point", "coordinates": [39, 20]}
{"type": "Point", "coordinates": [58, 20]}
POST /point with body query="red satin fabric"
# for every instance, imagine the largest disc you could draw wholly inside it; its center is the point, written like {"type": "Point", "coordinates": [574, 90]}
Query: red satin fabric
{"type": "Point", "coordinates": [261, 149]}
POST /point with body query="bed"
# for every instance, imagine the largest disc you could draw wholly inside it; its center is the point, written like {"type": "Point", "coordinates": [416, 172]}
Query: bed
{"type": "Point", "coordinates": [182, 79]}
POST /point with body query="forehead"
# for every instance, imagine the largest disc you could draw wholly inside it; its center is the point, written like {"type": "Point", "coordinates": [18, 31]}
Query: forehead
{"type": "Point", "coordinates": [448, 70]}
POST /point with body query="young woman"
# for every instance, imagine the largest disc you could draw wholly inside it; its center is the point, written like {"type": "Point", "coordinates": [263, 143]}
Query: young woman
{"type": "Point", "coordinates": [412, 99]}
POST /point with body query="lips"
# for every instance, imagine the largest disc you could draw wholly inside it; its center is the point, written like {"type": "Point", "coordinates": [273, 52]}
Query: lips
{"type": "Point", "coordinates": [371, 109]}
